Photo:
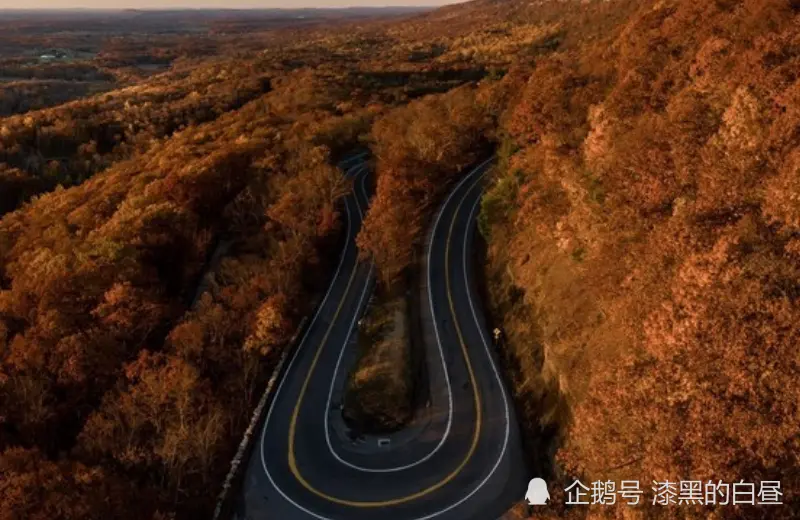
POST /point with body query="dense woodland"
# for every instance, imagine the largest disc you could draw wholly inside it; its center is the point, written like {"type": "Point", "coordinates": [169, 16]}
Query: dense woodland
{"type": "Point", "coordinates": [50, 57]}
{"type": "Point", "coordinates": [161, 240]}
{"type": "Point", "coordinates": [160, 243]}
{"type": "Point", "coordinates": [108, 355]}
{"type": "Point", "coordinates": [645, 213]}
{"type": "Point", "coordinates": [642, 230]}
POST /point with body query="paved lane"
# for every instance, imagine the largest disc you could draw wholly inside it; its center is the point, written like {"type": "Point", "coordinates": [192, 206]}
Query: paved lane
{"type": "Point", "coordinates": [461, 461]}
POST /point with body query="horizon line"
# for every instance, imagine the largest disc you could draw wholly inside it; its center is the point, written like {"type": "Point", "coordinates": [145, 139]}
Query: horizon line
{"type": "Point", "coordinates": [182, 8]}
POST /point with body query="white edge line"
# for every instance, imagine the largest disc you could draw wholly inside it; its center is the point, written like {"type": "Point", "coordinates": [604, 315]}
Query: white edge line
{"type": "Point", "coordinates": [341, 355]}
{"type": "Point", "coordinates": [486, 347]}
{"type": "Point", "coordinates": [345, 163]}
{"type": "Point", "coordinates": [446, 434]}
{"type": "Point", "coordinates": [291, 363]}
{"type": "Point", "coordinates": [496, 374]}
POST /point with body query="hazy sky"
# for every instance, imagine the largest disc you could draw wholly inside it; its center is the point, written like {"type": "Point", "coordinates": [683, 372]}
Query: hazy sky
{"type": "Point", "coordinates": [155, 4]}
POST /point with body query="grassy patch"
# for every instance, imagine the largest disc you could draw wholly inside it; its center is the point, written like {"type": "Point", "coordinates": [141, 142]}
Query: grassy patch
{"type": "Point", "coordinates": [379, 393]}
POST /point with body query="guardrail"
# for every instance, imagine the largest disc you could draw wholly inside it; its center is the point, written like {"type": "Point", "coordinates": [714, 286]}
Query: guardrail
{"type": "Point", "coordinates": [239, 462]}
{"type": "Point", "coordinates": [225, 500]}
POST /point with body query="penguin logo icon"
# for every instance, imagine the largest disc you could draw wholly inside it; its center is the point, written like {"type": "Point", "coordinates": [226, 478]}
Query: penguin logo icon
{"type": "Point", "coordinates": [537, 494]}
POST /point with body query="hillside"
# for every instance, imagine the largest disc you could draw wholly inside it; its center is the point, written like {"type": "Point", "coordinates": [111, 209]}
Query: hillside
{"type": "Point", "coordinates": [641, 236]}
{"type": "Point", "coordinates": [640, 228]}
{"type": "Point", "coordinates": [115, 380]}
{"type": "Point", "coordinates": [163, 234]}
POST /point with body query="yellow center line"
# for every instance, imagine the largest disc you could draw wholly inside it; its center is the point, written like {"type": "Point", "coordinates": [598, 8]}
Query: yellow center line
{"type": "Point", "coordinates": [293, 425]}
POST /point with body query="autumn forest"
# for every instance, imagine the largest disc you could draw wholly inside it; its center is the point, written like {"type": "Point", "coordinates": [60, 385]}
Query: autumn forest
{"type": "Point", "coordinates": [170, 210]}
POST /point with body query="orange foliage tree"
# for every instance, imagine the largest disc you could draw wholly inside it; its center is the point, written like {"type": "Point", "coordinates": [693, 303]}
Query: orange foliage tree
{"type": "Point", "coordinates": [419, 148]}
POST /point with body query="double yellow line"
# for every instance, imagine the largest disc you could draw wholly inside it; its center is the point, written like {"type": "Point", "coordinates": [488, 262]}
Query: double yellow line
{"type": "Point", "coordinates": [478, 413]}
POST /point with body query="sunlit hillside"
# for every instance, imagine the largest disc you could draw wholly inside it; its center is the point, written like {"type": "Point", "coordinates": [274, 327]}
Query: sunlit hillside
{"type": "Point", "coordinates": [170, 214]}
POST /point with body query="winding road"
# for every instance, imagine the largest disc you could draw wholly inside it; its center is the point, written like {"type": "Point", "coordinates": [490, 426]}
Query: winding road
{"type": "Point", "coordinates": [461, 457]}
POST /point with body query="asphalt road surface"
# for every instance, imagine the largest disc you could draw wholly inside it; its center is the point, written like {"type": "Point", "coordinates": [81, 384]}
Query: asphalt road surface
{"type": "Point", "coordinates": [461, 457]}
